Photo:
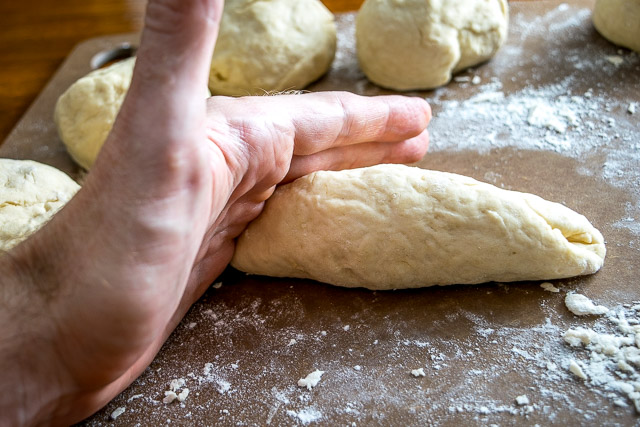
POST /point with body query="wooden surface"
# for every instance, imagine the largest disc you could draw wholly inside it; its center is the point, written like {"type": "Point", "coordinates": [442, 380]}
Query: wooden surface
{"type": "Point", "coordinates": [244, 345]}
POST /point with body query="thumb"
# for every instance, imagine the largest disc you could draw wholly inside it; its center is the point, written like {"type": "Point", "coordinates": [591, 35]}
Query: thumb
{"type": "Point", "coordinates": [172, 65]}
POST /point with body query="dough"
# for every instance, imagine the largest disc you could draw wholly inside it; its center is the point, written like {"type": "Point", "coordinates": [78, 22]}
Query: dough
{"type": "Point", "coordinates": [619, 21]}
{"type": "Point", "coordinates": [30, 194]}
{"type": "Point", "coordinates": [395, 226]}
{"type": "Point", "coordinates": [86, 111]}
{"type": "Point", "coordinates": [271, 45]}
{"type": "Point", "coordinates": [418, 44]}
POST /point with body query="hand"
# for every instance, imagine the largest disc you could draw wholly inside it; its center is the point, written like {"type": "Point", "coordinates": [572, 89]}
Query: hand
{"type": "Point", "coordinates": [102, 286]}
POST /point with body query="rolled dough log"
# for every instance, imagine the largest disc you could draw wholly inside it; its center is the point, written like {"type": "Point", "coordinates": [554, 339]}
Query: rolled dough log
{"type": "Point", "coordinates": [394, 226]}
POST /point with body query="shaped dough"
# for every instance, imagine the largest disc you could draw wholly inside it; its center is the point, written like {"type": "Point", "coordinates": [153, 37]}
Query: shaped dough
{"type": "Point", "coordinates": [619, 21]}
{"type": "Point", "coordinates": [85, 112]}
{"type": "Point", "coordinates": [30, 194]}
{"type": "Point", "coordinates": [418, 44]}
{"type": "Point", "coordinates": [271, 45]}
{"type": "Point", "coordinates": [394, 226]}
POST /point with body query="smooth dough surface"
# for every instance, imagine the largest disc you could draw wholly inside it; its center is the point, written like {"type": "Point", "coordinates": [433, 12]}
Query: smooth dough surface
{"type": "Point", "coordinates": [419, 44]}
{"type": "Point", "coordinates": [271, 45]}
{"type": "Point", "coordinates": [619, 21]}
{"type": "Point", "coordinates": [30, 194]}
{"type": "Point", "coordinates": [85, 112]}
{"type": "Point", "coordinates": [395, 226]}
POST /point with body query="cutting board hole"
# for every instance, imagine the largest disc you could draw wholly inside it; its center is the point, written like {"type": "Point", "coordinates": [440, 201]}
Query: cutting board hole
{"type": "Point", "coordinates": [107, 57]}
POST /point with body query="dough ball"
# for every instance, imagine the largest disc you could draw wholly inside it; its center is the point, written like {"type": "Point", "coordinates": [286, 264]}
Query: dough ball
{"type": "Point", "coordinates": [30, 194]}
{"type": "Point", "coordinates": [395, 226]}
{"type": "Point", "coordinates": [86, 111]}
{"type": "Point", "coordinates": [419, 44]}
{"type": "Point", "coordinates": [271, 45]}
{"type": "Point", "coordinates": [619, 22]}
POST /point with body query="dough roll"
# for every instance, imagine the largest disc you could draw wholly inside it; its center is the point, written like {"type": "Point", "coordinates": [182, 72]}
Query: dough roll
{"type": "Point", "coordinates": [395, 226]}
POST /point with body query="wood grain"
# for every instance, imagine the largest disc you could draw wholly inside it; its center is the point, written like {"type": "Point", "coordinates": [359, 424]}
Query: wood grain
{"type": "Point", "coordinates": [37, 35]}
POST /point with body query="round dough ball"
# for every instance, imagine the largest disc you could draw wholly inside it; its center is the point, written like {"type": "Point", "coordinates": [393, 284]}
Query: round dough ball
{"type": "Point", "coordinates": [419, 44]}
{"type": "Point", "coordinates": [619, 22]}
{"type": "Point", "coordinates": [30, 194]}
{"type": "Point", "coordinates": [85, 112]}
{"type": "Point", "coordinates": [271, 45]}
{"type": "Point", "coordinates": [395, 226]}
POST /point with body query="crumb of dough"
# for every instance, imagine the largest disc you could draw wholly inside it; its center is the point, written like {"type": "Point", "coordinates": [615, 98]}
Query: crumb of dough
{"type": "Point", "coordinates": [522, 400]}
{"type": "Point", "coordinates": [176, 384]}
{"type": "Point", "coordinates": [476, 80]}
{"type": "Point", "coordinates": [580, 305]}
{"type": "Point", "coordinates": [462, 79]}
{"type": "Point", "coordinates": [577, 370]}
{"type": "Point", "coordinates": [346, 327]}
{"type": "Point", "coordinates": [418, 372]}
{"type": "Point", "coordinates": [311, 380]}
{"type": "Point", "coordinates": [183, 395]}
{"type": "Point", "coordinates": [357, 367]}
{"type": "Point", "coordinates": [615, 59]}
{"type": "Point", "coordinates": [632, 108]}
{"type": "Point", "coordinates": [119, 411]}
{"type": "Point", "coordinates": [169, 396]}
{"type": "Point", "coordinates": [548, 286]}
{"type": "Point", "coordinates": [217, 285]}
{"type": "Point", "coordinates": [292, 342]}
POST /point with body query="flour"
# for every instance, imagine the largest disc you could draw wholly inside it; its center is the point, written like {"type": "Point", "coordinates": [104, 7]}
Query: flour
{"type": "Point", "coordinates": [612, 358]}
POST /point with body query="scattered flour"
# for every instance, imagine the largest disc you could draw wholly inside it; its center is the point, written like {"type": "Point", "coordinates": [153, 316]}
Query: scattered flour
{"type": "Point", "coordinates": [522, 400]}
{"type": "Point", "coordinates": [306, 416]}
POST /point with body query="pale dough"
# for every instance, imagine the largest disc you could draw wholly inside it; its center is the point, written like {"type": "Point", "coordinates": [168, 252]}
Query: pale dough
{"type": "Point", "coordinates": [30, 194]}
{"type": "Point", "coordinates": [271, 45]}
{"type": "Point", "coordinates": [419, 44]}
{"type": "Point", "coordinates": [395, 226]}
{"type": "Point", "coordinates": [85, 112]}
{"type": "Point", "coordinates": [619, 21]}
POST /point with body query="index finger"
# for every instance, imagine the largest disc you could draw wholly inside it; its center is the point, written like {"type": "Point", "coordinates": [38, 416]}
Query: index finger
{"type": "Point", "coordinates": [331, 119]}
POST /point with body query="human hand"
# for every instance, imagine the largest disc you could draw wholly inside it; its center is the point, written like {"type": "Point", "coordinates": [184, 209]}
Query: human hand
{"type": "Point", "coordinates": [178, 179]}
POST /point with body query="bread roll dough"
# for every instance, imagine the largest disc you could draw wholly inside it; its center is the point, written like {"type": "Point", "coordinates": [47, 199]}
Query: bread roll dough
{"type": "Point", "coordinates": [271, 45]}
{"type": "Point", "coordinates": [619, 21]}
{"type": "Point", "coordinates": [395, 226]}
{"type": "Point", "coordinates": [30, 194]}
{"type": "Point", "coordinates": [419, 44]}
{"type": "Point", "coordinates": [85, 112]}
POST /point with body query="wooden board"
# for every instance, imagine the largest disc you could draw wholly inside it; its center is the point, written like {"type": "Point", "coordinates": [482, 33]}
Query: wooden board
{"type": "Point", "coordinates": [244, 345]}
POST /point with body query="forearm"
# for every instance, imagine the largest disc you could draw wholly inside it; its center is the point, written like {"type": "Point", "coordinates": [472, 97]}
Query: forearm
{"type": "Point", "coordinates": [33, 381]}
